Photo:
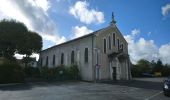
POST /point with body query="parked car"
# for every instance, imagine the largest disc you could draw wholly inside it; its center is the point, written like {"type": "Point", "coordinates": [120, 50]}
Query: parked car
{"type": "Point", "coordinates": [166, 87]}
{"type": "Point", "coordinates": [147, 75]}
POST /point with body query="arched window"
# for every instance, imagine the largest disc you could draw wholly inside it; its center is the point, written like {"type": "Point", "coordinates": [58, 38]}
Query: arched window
{"type": "Point", "coordinates": [104, 45]}
{"type": "Point", "coordinates": [114, 39]}
{"type": "Point", "coordinates": [72, 57]}
{"type": "Point", "coordinates": [53, 60]}
{"type": "Point", "coordinates": [47, 61]}
{"type": "Point", "coordinates": [118, 44]}
{"type": "Point", "coordinates": [86, 55]}
{"type": "Point", "coordinates": [62, 58]}
{"type": "Point", "coordinates": [109, 43]}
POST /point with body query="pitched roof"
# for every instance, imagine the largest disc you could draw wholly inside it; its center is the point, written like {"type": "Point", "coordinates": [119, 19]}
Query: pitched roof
{"type": "Point", "coordinates": [90, 34]}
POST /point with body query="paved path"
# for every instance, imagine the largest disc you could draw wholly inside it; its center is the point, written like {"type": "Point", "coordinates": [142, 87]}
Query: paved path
{"type": "Point", "coordinates": [78, 91]}
{"type": "Point", "coordinates": [159, 79]}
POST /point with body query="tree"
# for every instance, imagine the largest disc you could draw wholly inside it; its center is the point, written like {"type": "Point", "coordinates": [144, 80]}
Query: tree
{"type": "Point", "coordinates": [11, 35]}
{"type": "Point", "coordinates": [15, 38]}
{"type": "Point", "coordinates": [32, 44]}
{"type": "Point", "coordinates": [158, 66]}
{"type": "Point", "coordinates": [165, 70]}
{"type": "Point", "coordinates": [144, 65]}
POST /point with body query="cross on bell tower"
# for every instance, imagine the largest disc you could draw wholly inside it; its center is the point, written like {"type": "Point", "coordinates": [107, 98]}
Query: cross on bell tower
{"type": "Point", "coordinates": [113, 19]}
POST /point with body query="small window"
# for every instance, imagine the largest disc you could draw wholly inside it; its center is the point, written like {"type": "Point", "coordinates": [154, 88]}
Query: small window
{"type": "Point", "coordinates": [118, 44]}
{"type": "Point", "coordinates": [47, 61]}
{"type": "Point", "coordinates": [72, 57]}
{"type": "Point", "coordinates": [62, 58]}
{"type": "Point", "coordinates": [86, 55]}
{"type": "Point", "coordinates": [109, 43]}
{"type": "Point", "coordinates": [53, 60]}
{"type": "Point", "coordinates": [114, 37]}
{"type": "Point", "coordinates": [104, 45]}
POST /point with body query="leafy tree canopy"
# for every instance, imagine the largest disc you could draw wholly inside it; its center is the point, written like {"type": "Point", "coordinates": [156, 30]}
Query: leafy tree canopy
{"type": "Point", "coordinates": [16, 38]}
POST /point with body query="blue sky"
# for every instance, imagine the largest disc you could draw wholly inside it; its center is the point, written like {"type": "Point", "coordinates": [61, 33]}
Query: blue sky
{"type": "Point", "coordinates": [145, 24]}
{"type": "Point", "coordinates": [145, 15]}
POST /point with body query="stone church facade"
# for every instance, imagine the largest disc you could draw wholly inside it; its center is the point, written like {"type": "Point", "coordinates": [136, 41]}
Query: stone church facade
{"type": "Point", "coordinates": [101, 55]}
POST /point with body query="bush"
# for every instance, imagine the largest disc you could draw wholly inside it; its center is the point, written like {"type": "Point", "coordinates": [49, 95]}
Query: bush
{"type": "Point", "coordinates": [73, 72]}
{"type": "Point", "coordinates": [57, 73]}
{"type": "Point", "coordinates": [10, 72]}
{"type": "Point", "coordinates": [165, 71]}
{"type": "Point", "coordinates": [32, 72]}
{"type": "Point", "coordinates": [136, 72]}
{"type": "Point", "coordinates": [44, 72]}
{"type": "Point", "coordinates": [60, 73]}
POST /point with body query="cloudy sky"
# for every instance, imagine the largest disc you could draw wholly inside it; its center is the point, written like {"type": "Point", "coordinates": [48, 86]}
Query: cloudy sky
{"type": "Point", "coordinates": [145, 24]}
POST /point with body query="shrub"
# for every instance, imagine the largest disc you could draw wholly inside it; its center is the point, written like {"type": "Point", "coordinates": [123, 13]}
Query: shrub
{"type": "Point", "coordinates": [135, 71]}
{"type": "Point", "coordinates": [57, 73]}
{"type": "Point", "coordinates": [44, 72]}
{"type": "Point", "coordinates": [11, 72]}
{"type": "Point", "coordinates": [73, 72]}
{"type": "Point", "coordinates": [60, 72]}
{"type": "Point", "coordinates": [165, 71]}
{"type": "Point", "coordinates": [32, 72]}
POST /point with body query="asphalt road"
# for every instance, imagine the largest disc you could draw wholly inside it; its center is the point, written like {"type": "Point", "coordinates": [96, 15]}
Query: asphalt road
{"type": "Point", "coordinates": [133, 90]}
{"type": "Point", "coordinates": [138, 84]}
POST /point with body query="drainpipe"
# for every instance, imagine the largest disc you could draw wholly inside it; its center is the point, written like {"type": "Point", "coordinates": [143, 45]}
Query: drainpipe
{"type": "Point", "coordinates": [93, 67]}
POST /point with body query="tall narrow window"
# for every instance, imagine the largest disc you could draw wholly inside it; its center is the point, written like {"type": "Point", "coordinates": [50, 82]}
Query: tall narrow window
{"type": "Point", "coordinates": [72, 57]}
{"type": "Point", "coordinates": [104, 45]}
{"type": "Point", "coordinates": [118, 44]}
{"type": "Point", "coordinates": [47, 61]}
{"type": "Point", "coordinates": [114, 37]}
{"type": "Point", "coordinates": [62, 58]}
{"type": "Point", "coordinates": [53, 60]}
{"type": "Point", "coordinates": [109, 43]}
{"type": "Point", "coordinates": [86, 55]}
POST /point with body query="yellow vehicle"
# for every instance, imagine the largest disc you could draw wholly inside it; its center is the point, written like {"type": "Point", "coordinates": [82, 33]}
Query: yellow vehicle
{"type": "Point", "coordinates": [157, 74]}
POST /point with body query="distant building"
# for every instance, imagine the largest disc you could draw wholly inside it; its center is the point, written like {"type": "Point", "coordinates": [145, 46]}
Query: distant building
{"type": "Point", "coordinates": [33, 63]}
{"type": "Point", "coordinates": [101, 55]}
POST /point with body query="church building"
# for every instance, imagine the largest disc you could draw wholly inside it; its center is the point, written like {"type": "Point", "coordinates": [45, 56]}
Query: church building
{"type": "Point", "coordinates": [100, 55]}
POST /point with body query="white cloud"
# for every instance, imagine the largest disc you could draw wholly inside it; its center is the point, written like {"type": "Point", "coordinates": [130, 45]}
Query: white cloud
{"type": "Point", "coordinates": [81, 11]}
{"type": "Point", "coordinates": [165, 9]}
{"type": "Point", "coordinates": [164, 53]}
{"type": "Point", "coordinates": [34, 55]}
{"type": "Point", "coordinates": [44, 4]}
{"type": "Point", "coordinates": [149, 33]}
{"type": "Point", "coordinates": [80, 31]}
{"type": "Point", "coordinates": [135, 32]}
{"type": "Point", "coordinates": [146, 49]}
{"type": "Point", "coordinates": [19, 56]}
{"type": "Point", "coordinates": [131, 37]}
{"type": "Point", "coordinates": [33, 13]}
{"type": "Point", "coordinates": [54, 38]}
